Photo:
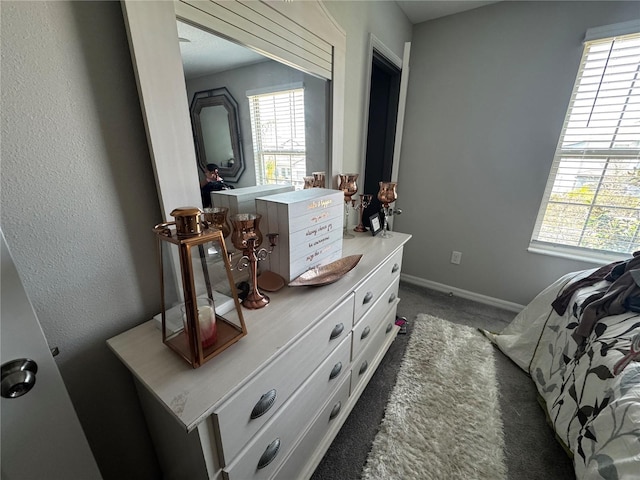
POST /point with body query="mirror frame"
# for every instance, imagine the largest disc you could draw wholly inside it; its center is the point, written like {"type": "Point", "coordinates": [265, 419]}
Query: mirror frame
{"type": "Point", "coordinates": [213, 98]}
{"type": "Point", "coordinates": [302, 35]}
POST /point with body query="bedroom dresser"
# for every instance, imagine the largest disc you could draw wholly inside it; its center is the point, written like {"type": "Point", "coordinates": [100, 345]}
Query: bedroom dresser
{"type": "Point", "coordinates": [270, 406]}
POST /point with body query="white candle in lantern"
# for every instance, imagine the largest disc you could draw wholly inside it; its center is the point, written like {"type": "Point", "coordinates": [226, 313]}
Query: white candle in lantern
{"type": "Point", "coordinates": [207, 322]}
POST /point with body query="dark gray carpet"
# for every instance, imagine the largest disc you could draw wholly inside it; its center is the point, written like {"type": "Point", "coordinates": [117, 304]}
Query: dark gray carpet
{"type": "Point", "coordinates": [532, 453]}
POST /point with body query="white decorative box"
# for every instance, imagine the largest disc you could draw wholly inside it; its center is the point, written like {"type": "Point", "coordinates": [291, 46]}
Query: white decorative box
{"type": "Point", "coordinates": [243, 200]}
{"type": "Point", "coordinates": [309, 224]}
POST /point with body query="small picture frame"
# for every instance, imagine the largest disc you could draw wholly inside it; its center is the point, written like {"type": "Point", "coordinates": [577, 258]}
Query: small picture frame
{"type": "Point", "coordinates": [376, 226]}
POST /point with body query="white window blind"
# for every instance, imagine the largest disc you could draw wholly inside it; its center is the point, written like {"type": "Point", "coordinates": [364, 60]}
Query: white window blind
{"type": "Point", "coordinates": [591, 203]}
{"type": "Point", "coordinates": [278, 129]}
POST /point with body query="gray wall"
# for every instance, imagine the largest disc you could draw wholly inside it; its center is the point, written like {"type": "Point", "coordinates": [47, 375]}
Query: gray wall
{"type": "Point", "coordinates": [359, 19]}
{"type": "Point", "coordinates": [488, 91]}
{"type": "Point", "coordinates": [78, 204]}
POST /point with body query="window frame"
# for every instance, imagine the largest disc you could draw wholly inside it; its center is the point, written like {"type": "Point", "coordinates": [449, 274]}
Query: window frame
{"type": "Point", "coordinates": [260, 152]}
{"type": "Point", "coordinates": [594, 36]}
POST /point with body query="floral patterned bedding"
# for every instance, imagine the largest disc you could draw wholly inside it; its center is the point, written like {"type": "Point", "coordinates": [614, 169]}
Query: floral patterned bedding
{"type": "Point", "coordinates": [594, 411]}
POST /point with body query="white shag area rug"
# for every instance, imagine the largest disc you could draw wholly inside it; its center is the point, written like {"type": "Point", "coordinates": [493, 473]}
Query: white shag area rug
{"type": "Point", "coordinates": [443, 417]}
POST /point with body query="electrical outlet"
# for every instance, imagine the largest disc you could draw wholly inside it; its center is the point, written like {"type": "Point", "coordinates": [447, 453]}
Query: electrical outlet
{"type": "Point", "coordinates": [456, 257]}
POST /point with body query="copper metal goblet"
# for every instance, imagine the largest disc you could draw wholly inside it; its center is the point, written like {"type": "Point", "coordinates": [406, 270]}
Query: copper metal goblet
{"type": "Point", "coordinates": [349, 187]}
{"type": "Point", "coordinates": [309, 182]}
{"type": "Point", "coordinates": [319, 179]}
{"type": "Point", "coordinates": [217, 216]}
{"type": "Point", "coordinates": [387, 194]}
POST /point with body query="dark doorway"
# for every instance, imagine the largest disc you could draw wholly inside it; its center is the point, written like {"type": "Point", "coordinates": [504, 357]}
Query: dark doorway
{"type": "Point", "coordinates": [381, 133]}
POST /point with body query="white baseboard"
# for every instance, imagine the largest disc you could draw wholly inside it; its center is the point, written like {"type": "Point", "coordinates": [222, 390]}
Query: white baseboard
{"type": "Point", "coordinates": [440, 287]}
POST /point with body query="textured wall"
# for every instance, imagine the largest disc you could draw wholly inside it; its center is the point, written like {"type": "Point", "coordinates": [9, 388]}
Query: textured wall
{"type": "Point", "coordinates": [78, 204]}
{"type": "Point", "coordinates": [359, 19]}
{"type": "Point", "coordinates": [488, 91]}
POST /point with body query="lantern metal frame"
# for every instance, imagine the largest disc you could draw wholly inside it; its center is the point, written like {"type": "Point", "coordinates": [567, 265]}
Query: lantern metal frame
{"type": "Point", "coordinates": [188, 342]}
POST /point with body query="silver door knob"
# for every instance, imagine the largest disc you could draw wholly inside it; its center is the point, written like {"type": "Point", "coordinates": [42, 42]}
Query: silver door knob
{"type": "Point", "coordinates": [18, 377]}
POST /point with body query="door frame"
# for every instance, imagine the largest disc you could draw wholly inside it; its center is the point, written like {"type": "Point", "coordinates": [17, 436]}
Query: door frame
{"type": "Point", "coordinates": [403, 65]}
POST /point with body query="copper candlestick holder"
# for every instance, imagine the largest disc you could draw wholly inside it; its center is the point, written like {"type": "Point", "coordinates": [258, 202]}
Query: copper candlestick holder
{"type": "Point", "coordinates": [365, 201]}
{"type": "Point", "coordinates": [248, 238]}
{"type": "Point", "coordinates": [387, 194]}
{"type": "Point", "coordinates": [349, 188]}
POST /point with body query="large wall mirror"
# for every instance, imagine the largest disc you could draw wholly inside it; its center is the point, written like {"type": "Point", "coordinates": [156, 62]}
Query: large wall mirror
{"type": "Point", "coordinates": [220, 73]}
{"type": "Point", "coordinates": [297, 44]}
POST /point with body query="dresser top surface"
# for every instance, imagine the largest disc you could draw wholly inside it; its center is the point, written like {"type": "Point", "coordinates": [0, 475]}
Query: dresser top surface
{"type": "Point", "coordinates": [193, 394]}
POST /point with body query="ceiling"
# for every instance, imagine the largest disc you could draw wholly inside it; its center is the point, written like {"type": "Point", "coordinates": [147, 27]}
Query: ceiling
{"type": "Point", "coordinates": [418, 11]}
{"type": "Point", "coordinates": [206, 54]}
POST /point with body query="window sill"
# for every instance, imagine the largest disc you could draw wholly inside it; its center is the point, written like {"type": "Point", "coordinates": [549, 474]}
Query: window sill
{"type": "Point", "coordinates": [579, 254]}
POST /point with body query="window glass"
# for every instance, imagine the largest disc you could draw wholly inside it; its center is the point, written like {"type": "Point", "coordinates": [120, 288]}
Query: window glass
{"type": "Point", "coordinates": [278, 129]}
{"type": "Point", "coordinates": [592, 199]}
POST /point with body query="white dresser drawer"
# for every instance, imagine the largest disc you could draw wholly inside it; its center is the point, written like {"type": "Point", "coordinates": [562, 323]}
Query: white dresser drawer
{"type": "Point", "coordinates": [268, 449]}
{"type": "Point", "coordinates": [364, 362]}
{"type": "Point", "coordinates": [240, 417]}
{"type": "Point", "coordinates": [322, 425]}
{"type": "Point", "coordinates": [371, 289]}
{"type": "Point", "coordinates": [364, 329]}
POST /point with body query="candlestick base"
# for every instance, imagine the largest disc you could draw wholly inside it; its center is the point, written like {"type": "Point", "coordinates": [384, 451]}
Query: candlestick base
{"type": "Point", "coordinates": [365, 200]}
{"type": "Point", "coordinates": [345, 232]}
{"type": "Point", "coordinates": [386, 210]}
{"type": "Point", "coordinates": [255, 300]}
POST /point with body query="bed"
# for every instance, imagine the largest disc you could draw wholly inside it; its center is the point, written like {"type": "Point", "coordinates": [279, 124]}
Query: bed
{"type": "Point", "coordinates": [575, 341]}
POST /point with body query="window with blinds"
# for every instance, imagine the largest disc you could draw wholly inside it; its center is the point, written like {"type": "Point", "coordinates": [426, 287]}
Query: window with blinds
{"type": "Point", "coordinates": [278, 129]}
{"type": "Point", "coordinates": [592, 200]}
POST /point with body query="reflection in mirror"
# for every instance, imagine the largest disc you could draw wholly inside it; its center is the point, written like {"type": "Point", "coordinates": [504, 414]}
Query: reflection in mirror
{"type": "Point", "coordinates": [212, 63]}
{"type": "Point", "coordinates": [214, 116]}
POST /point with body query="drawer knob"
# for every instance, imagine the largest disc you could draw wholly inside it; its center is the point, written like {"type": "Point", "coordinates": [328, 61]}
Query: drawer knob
{"type": "Point", "coordinates": [363, 367]}
{"type": "Point", "coordinates": [337, 330]}
{"type": "Point", "coordinates": [264, 404]}
{"type": "Point", "coordinates": [365, 333]}
{"type": "Point", "coordinates": [367, 298]}
{"type": "Point", "coordinates": [389, 327]}
{"type": "Point", "coordinates": [335, 410]}
{"type": "Point", "coordinates": [269, 454]}
{"type": "Point", "coordinates": [335, 371]}
{"type": "Point", "coordinates": [395, 268]}
{"type": "Point", "coordinates": [392, 297]}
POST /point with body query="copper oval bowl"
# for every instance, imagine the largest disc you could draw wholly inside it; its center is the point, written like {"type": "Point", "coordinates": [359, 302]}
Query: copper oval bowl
{"type": "Point", "coordinates": [326, 274]}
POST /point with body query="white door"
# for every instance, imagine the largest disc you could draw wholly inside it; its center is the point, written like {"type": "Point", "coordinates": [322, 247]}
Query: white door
{"type": "Point", "coordinates": [402, 102]}
{"type": "Point", "coordinates": [41, 434]}
{"type": "Point", "coordinates": [401, 64]}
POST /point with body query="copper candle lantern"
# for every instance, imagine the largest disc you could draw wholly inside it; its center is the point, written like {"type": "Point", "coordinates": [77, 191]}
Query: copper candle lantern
{"type": "Point", "coordinates": [201, 313]}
